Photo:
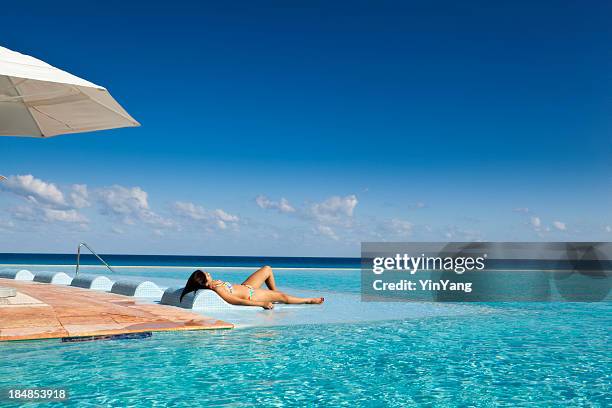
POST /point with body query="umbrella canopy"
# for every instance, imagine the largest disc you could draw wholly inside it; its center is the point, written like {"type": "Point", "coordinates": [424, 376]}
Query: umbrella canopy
{"type": "Point", "coordinates": [39, 100]}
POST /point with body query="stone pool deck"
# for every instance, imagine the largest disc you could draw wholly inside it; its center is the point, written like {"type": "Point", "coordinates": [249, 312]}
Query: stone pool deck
{"type": "Point", "coordinates": [45, 311]}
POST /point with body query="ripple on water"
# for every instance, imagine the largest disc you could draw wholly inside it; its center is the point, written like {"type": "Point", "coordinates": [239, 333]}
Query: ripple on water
{"type": "Point", "coordinates": [518, 355]}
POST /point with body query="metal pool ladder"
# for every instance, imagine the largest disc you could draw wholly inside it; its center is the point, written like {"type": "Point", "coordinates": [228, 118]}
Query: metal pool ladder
{"type": "Point", "coordinates": [78, 262]}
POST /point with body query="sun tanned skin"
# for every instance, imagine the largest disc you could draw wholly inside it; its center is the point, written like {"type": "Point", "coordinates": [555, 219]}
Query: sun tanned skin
{"type": "Point", "coordinates": [261, 297]}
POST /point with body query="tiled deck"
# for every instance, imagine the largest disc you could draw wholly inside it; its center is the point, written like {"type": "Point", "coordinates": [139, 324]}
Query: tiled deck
{"type": "Point", "coordinates": [43, 311]}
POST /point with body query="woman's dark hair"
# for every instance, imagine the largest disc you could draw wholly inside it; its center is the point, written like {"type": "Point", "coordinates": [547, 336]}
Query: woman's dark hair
{"type": "Point", "coordinates": [196, 281]}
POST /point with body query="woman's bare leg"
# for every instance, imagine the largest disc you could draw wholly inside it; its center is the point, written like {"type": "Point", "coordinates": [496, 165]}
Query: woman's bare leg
{"type": "Point", "coordinates": [275, 296]}
{"type": "Point", "coordinates": [294, 300]}
{"type": "Point", "coordinates": [257, 278]}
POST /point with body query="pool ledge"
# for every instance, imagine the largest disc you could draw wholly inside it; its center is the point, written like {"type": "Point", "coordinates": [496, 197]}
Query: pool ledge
{"type": "Point", "coordinates": [45, 311]}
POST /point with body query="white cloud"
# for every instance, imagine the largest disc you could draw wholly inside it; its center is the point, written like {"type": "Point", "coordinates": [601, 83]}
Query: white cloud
{"type": "Point", "coordinates": [23, 212]}
{"type": "Point", "coordinates": [326, 232]}
{"type": "Point", "coordinates": [190, 210]}
{"type": "Point", "coordinates": [34, 190]}
{"type": "Point", "coordinates": [42, 215]}
{"type": "Point", "coordinates": [523, 210]}
{"type": "Point", "coordinates": [282, 206]}
{"type": "Point", "coordinates": [334, 210]}
{"type": "Point", "coordinates": [130, 205]}
{"type": "Point", "coordinates": [217, 218]}
{"type": "Point", "coordinates": [70, 216]}
{"type": "Point", "coordinates": [538, 226]}
{"type": "Point", "coordinates": [608, 228]}
{"type": "Point", "coordinates": [80, 196]}
{"type": "Point", "coordinates": [46, 203]}
{"type": "Point", "coordinates": [454, 232]}
{"type": "Point", "coordinates": [155, 219]}
{"type": "Point", "coordinates": [223, 216]}
{"type": "Point", "coordinates": [123, 201]}
{"type": "Point", "coordinates": [401, 226]}
{"type": "Point", "coordinates": [397, 227]}
{"type": "Point", "coordinates": [6, 224]}
{"type": "Point", "coordinates": [559, 225]}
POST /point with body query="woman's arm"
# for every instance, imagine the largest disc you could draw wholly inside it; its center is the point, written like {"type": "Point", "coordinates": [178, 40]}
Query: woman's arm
{"type": "Point", "coordinates": [235, 300]}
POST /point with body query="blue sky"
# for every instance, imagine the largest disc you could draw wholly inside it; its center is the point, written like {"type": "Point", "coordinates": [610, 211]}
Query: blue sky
{"type": "Point", "coordinates": [304, 128]}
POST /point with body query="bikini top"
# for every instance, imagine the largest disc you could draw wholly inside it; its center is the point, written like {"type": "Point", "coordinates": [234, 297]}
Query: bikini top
{"type": "Point", "coordinates": [226, 284]}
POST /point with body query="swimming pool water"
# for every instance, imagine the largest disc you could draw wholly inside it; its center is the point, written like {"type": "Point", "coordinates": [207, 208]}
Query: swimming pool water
{"type": "Point", "coordinates": [555, 354]}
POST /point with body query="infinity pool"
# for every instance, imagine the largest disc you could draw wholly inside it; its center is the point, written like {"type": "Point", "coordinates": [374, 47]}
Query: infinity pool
{"type": "Point", "coordinates": [399, 355]}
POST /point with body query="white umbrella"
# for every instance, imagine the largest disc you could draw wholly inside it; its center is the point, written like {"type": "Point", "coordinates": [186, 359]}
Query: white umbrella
{"type": "Point", "coordinates": [39, 100]}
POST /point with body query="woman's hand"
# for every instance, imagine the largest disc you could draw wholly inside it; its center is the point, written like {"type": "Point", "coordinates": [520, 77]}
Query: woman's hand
{"type": "Point", "coordinates": [268, 305]}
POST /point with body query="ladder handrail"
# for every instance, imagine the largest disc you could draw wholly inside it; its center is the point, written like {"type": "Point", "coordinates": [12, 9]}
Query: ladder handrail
{"type": "Point", "coordinates": [83, 244]}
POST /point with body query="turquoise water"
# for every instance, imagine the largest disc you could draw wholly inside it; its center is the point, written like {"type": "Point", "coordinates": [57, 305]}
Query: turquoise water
{"type": "Point", "coordinates": [536, 354]}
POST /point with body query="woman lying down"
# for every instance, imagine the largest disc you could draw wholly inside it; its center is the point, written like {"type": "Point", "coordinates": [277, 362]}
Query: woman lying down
{"type": "Point", "coordinates": [249, 293]}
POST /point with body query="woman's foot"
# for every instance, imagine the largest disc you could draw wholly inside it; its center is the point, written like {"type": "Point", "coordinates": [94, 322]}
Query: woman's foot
{"type": "Point", "coordinates": [316, 301]}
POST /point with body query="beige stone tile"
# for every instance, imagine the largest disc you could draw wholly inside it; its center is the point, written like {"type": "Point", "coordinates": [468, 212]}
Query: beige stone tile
{"type": "Point", "coordinates": [84, 312]}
